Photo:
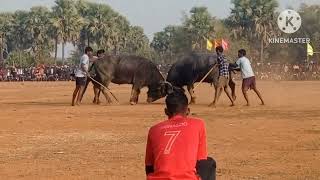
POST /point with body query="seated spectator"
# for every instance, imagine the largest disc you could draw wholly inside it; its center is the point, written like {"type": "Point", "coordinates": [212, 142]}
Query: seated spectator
{"type": "Point", "coordinates": [177, 148]}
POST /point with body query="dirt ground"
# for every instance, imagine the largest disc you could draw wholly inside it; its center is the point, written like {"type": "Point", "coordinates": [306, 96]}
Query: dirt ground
{"type": "Point", "coordinates": [43, 137]}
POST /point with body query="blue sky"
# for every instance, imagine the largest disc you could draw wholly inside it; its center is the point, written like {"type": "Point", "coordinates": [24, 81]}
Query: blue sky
{"type": "Point", "coordinates": [153, 15]}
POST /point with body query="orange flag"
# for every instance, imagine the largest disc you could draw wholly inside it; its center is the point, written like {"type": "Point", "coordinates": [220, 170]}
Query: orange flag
{"type": "Point", "coordinates": [222, 42]}
{"type": "Point", "coordinates": [216, 43]}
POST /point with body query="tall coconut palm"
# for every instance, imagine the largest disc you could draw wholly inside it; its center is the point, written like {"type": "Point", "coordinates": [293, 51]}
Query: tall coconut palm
{"type": "Point", "coordinates": [69, 21]}
{"type": "Point", "coordinates": [5, 24]}
{"type": "Point", "coordinates": [200, 25]}
{"type": "Point", "coordinates": [55, 32]}
{"type": "Point", "coordinates": [19, 37]}
{"type": "Point", "coordinates": [37, 25]}
{"type": "Point", "coordinates": [254, 19]}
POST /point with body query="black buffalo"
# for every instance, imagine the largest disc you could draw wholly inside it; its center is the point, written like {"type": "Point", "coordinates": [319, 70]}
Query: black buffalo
{"type": "Point", "coordinates": [129, 69]}
{"type": "Point", "coordinates": [192, 68]}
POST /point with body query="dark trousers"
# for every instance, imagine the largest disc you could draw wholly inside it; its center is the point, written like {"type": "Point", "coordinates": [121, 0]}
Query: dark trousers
{"type": "Point", "coordinates": [206, 169]}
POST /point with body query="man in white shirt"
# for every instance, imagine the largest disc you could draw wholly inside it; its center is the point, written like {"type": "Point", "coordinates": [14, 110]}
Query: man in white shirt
{"type": "Point", "coordinates": [81, 75]}
{"type": "Point", "coordinates": [249, 80]}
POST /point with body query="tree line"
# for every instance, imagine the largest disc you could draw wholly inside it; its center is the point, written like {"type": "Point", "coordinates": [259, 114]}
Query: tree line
{"type": "Point", "coordinates": [250, 25]}
{"type": "Point", "coordinates": [32, 37]}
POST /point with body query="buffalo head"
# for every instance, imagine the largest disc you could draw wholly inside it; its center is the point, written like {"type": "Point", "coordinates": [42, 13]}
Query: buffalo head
{"type": "Point", "coordinates": [159, 91]}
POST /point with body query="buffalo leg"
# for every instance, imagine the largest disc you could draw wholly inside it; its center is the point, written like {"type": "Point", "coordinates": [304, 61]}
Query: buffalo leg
{"type": "Point", "coordinates": [192, 95]}
{"type": "Point", "coordinates": [108, 99]}
{"type": "Point", "coordinates": [138, 93]}
{"type": "Point", "coordinates": [134, 96]}
{"type": "Point", "coordinates": [99, 96]}
{"type": "Point", "coordinates": [97, 91]}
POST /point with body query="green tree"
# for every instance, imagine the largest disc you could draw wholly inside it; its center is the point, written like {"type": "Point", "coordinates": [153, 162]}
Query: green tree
{"type": "Point", "coordinates": [68, 21]}
{"type": "Point", "coordinates": [254, 20]}
{"type": "Point", "coordinates": [19, 38]}
{"type": "Point", "coordinates": [5, 24]}
{"type": "Point", "coordinates": [37, 25]}
{"type": "Point", "coordinates": [199, 25]}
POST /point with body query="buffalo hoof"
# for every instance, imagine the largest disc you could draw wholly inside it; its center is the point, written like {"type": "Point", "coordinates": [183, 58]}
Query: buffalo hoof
{"type": "Point", "coordinates": [96, 101]}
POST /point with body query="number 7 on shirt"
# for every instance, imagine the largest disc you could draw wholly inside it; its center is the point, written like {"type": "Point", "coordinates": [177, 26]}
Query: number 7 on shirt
{"type": "Point", "coordinates": [173, 136]}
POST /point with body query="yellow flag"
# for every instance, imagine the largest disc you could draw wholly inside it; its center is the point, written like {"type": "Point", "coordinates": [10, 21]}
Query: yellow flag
{"type": "Point", "coordinates": [209, 45]}
{"type": "Point", "coordinates": [309, 50]}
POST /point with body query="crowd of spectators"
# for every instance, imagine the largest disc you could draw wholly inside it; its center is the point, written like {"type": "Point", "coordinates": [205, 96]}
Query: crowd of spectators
{"type": "Point", "coordinates": [267, 71]}
{"type": "Point", "coordinates": [276, 71]}
{"type": "Point", "coordinates": [289, 72]}
{"type": "Point", "coordinates": [39, 73]}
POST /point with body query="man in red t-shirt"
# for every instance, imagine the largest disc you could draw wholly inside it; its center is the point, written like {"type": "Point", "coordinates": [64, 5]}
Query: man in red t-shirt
{"type": "Point", "coordinates": [177, 148]}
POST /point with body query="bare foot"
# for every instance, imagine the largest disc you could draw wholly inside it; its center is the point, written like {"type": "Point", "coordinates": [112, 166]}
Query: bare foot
{"type": "Point", "coordinates": [213, 105]}
{"type": "Point", "coordinates": [133, 103]}
{"type": "Point", "coordinates": [77, 103]}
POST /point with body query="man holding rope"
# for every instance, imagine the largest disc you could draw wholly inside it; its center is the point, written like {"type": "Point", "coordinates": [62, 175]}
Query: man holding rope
{"type": "Point", "coordinates": [93, 74]}
{"type": "Point", "coordinates": [224, 77]}
{"type": "Point", "coordinates": [81, 75]}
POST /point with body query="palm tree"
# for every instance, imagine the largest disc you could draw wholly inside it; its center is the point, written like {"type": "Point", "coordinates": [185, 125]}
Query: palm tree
{"type": "Point", "coordinates": [200, 25]}
{"type": "Point", "coordinates": [5, 24]}
{"type": "Point", "coordinates": [69, 20]}
{"type": "Point", "coordinates": [254, 19]}
{"type": "Point", "coordinates": [19, 37]}
{"type": "Point", "coordinates": [55, 32]}
{"type": "Point", "coordinates": [37, 25]}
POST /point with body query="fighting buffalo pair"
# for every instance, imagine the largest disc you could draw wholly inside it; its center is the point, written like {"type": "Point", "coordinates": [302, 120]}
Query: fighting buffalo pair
{"type": "Point", "coordinates": [141, 72]}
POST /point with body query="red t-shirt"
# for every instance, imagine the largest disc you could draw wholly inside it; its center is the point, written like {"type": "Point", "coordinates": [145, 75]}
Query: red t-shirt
{"type": "Point", "coordinates": [173, 148]}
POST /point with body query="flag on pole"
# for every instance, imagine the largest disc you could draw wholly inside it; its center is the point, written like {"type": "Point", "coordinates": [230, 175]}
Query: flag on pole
{"type": "Point", "coordinates": [209, 45]}
{"type": "Point", "coordinates": [309, 50]}
{"type": "Point", "coordinates": [221, 42]}
{"type": "Point", "coordinates": [224, 44]}
{"type": "Point", "coordinates": [216, 43]}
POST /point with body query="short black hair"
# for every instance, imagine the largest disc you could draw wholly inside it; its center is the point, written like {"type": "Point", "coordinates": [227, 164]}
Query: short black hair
{"type": "Point", "coordinates": [176, 102]}
{"type": "Point", "coordinates": [100, 51]}
{"type": "Point", "coordinates": [88, 49]}
{"type": "Point", "coordinates": [219, 49]}
{"type": "Point", "coordinates": [242, 52]}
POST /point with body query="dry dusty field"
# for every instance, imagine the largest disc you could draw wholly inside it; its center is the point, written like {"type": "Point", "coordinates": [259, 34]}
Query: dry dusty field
{"type": "Point", "coordinates": [43, 137]}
